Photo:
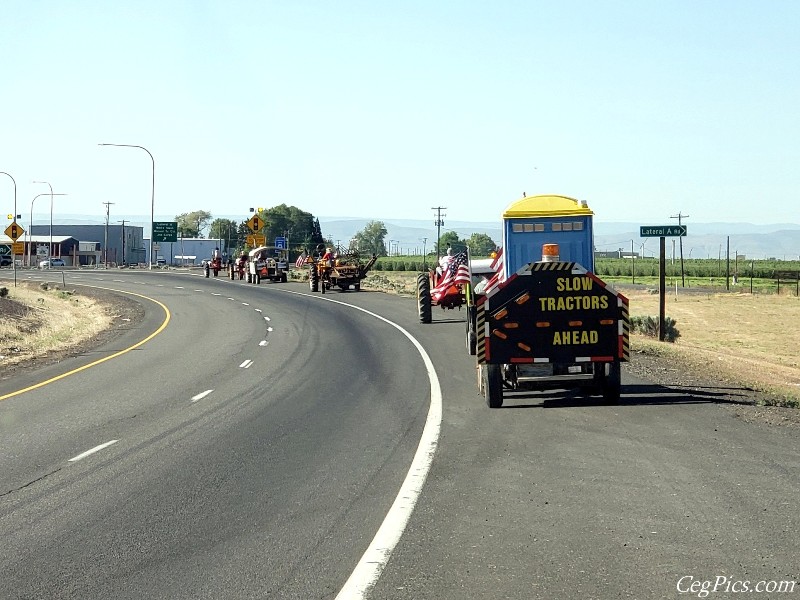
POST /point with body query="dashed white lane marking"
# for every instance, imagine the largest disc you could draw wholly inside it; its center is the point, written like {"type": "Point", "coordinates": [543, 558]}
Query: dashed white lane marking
{"type": "Point", "coordinates": [178, 287]}
{"type": "Point", "coordinates": [245, 304]}
{"type": "Point", "coordinates": [267, 318]}
{"type": "Point", "coordinates": [231, 298]}
{"type": "Point", "coordinates": [246, 364]}
{"type": "Point", "coordinates": [92, 451]}
{"type": "Point", "coordinates": [257, 309]}
{"type": "Point", "coordinates": [201, 395]}
{"type": "Point", "coordinates": [159, 285]}
{"type": "Point", "coordinates": [263, 343]}
{"type": "Point", "coordinates": [215, 294]}
{"type": "Point", "coordinates": [117, 280]}
{"type": "Point", "coordinates": [269, 329]}
{"type": "Point", "coordinates": [198, 290]}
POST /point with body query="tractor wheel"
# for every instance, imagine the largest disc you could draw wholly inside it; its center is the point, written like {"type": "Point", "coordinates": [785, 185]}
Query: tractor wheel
{"type": "Point", "coordinates": [424, 298]}
{"type": "Point", "coordinates": [257, 279]}
{"type": "Point", "coordinates": [313, 280]}
{"type": "Point", "coordinates": [493, 384]}
{"type": "Point", "coordinates": [283, 277]}
{"type": "Point", "coordinates": [206, 271]}
{"type": "Point", "coordinates": [357, 287]}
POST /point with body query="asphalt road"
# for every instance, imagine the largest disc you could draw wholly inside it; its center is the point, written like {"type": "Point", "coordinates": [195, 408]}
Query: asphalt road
{"type": "Point", "coordinates": [273, 484]}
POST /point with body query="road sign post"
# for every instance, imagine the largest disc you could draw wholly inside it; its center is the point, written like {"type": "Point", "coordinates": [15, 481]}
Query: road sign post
{"type": "Point", "coordinates": [663, 232]}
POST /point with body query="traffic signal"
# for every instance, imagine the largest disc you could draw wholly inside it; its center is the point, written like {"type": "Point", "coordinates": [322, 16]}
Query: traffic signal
{"type": "Point", "coordinates": [14, 234]}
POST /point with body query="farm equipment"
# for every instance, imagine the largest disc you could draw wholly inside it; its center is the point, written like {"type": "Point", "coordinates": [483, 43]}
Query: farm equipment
{"type": "Point", "coordinates": [238, 267]}
{"type": "Point", "coordinates": [214, 265]}
{"type": "Point", "coordinates": [267, 262]}
{"type": "Point", "coordinates": [449, 285]}
{"type": "Point", "coordinates": [551, 323]}
{"type": "Point", "coordinates": [345, 271]}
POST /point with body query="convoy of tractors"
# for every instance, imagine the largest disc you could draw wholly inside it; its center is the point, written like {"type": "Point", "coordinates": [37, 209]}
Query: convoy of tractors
{"type": "Point", "coordinates": [536, 316]}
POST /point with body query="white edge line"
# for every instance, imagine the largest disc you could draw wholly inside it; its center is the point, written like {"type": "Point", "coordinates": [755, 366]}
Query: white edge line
{"type": "Point", "coordinates": [92, 451]}
{"type": "Point", "coordinates": [201, 395]}
{"type": "Point", "coordinates": [369, 568]}
{"type": "Point", "coordinates": [246, 364]}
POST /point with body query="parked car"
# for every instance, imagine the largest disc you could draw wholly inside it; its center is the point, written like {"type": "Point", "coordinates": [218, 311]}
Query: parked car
{"type": "Point", "coordinates": [5, 261]}
{"type": "Point", "coordinates": [53, 262]}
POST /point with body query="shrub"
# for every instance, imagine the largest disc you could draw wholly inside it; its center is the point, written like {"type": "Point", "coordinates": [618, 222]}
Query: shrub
{"type": "Point", "coordinates": [649, 326]}
{"type": "Point", "coordinates": [3, 292]}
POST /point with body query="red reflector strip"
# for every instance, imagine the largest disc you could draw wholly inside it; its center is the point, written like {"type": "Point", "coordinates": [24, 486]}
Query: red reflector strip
{"type": "Point", "coordinates": [500, 334]}
{"type": "Point", "coordinates": [575, 323]}
{"type": "Point", "coordinates": [606, 321]}
{"type": "Point", "coordinates": [523, 299]}
{"type": "Point", "coordinates": [521, 360]}
{"type": "Point", "coordinates": [510, 325]}
{"type": "Point", "coordinates": [602, 358]}
{"type": "Point", "coordinates": [524, 347]}
{"type": "Point", "coordinates": [543, 324]}
{"type": "Point", "coordinates": [501, 313]}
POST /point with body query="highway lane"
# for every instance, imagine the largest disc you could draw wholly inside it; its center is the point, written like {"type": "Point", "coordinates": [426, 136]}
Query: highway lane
{"type": "Point", "coordinates": [272, 483]}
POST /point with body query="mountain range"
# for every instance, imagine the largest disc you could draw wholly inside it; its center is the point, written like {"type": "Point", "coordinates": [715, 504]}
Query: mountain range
{"type": "Point", "coordinates": [405, 236]}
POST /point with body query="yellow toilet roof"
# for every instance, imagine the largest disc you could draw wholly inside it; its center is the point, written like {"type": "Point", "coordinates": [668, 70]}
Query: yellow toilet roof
{"type": "Point", "coordinates": [546, 206]}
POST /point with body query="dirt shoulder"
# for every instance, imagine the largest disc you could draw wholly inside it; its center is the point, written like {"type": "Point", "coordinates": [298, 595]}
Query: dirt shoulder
{"type": "Point", "coordinates": [27, 310]}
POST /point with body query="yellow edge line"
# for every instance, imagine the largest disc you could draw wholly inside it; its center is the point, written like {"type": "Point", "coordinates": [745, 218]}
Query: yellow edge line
{"type": "Point", "coordinates": [161, 328]}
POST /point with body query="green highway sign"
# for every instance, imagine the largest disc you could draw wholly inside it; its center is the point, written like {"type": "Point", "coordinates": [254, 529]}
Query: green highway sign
{"type": "Point", "coordinates": [662, 230]}
{"type": "Point", "coordinates": [165, 231]}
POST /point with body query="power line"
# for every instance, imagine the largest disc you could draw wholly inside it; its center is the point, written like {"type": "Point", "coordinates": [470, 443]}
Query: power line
{"type": "Point", "coordinates": [680, 216]}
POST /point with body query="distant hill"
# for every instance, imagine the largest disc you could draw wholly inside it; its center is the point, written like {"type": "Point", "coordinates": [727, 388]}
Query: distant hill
{"type": "Point", "coordinates": [704, 240]}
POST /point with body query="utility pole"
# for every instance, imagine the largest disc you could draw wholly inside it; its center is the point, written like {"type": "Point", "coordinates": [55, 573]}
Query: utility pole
{"type": "Point", "coordinates": [439, 223]}
{"type": "Point", "coordinates": [679, 216]}
{"type": "Point", "coordinates": [123, 241]}
{"type": "Point", "coordinates": [105, 240]}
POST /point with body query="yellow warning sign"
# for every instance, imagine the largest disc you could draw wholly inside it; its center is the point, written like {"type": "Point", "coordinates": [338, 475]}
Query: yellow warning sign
{"type": "Point", "coordinates": [14, 231]}
{"type": "Point", "coordinates": [255, 223]}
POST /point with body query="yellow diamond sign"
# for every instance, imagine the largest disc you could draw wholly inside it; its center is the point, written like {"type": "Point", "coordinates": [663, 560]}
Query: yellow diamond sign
{"type": "Point", "coordinates": [255, 223]}
{"type": "Point", "coordinates": [14, 231]}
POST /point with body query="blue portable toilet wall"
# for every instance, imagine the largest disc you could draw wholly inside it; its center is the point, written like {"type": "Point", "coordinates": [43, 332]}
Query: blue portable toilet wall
{"type": "Point", "coordinates": [529, 223]}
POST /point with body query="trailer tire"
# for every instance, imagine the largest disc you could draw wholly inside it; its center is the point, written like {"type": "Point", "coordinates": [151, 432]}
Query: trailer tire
{"type": "Point", "coordinates": [612, 386]}
{"type": "Point", "coordinates": [424, 298]}
{"type": "Point", "coordinates": [493, 385]}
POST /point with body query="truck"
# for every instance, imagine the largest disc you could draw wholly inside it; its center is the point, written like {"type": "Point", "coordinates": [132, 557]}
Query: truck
{"type": "Point", "coordinates": [267, 262]}
{"type": "Point", "coordinates": [544, 320]}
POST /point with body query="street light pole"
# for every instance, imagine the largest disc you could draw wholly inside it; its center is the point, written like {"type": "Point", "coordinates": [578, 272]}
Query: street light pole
{"type": "Point", "coordinates": [152, 194]}
{"type": "Point", "coordinates": [30, 225]}
{"type": "Point", "coordinates": [50, 253]}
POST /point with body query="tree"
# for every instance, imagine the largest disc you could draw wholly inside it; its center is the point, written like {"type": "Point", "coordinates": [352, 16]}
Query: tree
{"type": "Point", "coordinates": [451, 239]}
{"type": "Point", "coordinates": [481, 244]}
{"type": "Point", "coordinates": [372, 238]}
{"type": "Point", "coordinates": [300, 227]}
{"type": "Point", "coordinates": [192, 224]}
{"type": "Point", "coordinates": [224, 229]}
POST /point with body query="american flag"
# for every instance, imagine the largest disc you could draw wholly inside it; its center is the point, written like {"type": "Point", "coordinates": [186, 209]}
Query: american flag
{"type": "Point", "coordinates": [301, 260]}
{"type": "Point", "coordinates": [498, 266]}
{"type": "Point", "coordinates": [456, 272]}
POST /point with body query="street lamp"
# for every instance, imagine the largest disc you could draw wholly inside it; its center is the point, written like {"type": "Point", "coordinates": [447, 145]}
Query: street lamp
{"type": "Point", "coordinates": [30, 225]}
{"type": "Point", "coordinates": [152, 194]}
{"type": "Point", "coordinates": [50, 253]}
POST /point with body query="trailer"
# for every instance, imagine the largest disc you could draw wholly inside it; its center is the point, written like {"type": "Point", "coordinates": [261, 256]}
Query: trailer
{"type": "Point", "coordinates": [547, 321]}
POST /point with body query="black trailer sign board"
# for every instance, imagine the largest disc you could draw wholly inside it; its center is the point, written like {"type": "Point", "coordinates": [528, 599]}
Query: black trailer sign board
{"type": "Point", "coordinates": [552, 312]}
{"type": "Point", "coordinates": [165, 231]}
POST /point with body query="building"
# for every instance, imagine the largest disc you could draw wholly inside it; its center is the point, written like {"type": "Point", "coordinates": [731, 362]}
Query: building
{"type": "Point", "coordinates": [125, 243]}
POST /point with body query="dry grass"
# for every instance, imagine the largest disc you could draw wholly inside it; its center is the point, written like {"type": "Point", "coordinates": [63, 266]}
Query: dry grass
{"type": "Point", "coordinates": [750, 339]}
{"type": "Point", "coordinates": [45, 321]}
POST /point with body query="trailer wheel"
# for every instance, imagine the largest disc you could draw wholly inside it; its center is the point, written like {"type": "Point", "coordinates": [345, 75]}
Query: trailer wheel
{"type": "Point", "coordinates": [471, 338]}
{"type": "Point", "coordinates": [424, 298]}
{"type": "Point", "coordinates": [612, 386]}
{"type": "Point", "coordinates": [493, 385]}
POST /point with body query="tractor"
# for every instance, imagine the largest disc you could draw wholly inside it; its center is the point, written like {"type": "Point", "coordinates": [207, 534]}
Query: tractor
{"type": "Point", "coordinates": [214, 265]}
{"type": "Point", "coordinates": [267, 262]}
{"type": "Point", "coordinates": [329, 269]}
{"type": "Point", "coordinates": [449, 285]}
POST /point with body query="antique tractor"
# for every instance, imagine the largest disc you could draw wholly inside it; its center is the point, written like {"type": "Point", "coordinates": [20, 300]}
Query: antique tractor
{"type": "Point", "coordinates": [329, 269]}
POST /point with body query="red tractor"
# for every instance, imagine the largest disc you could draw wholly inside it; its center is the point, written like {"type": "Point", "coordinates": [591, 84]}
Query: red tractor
{"type": "Point", "coordinates": [215, 264]}
{"type": "Point", "coordinates": [238, 267]}
{"type": "Point", "coordinates": [450, 284]}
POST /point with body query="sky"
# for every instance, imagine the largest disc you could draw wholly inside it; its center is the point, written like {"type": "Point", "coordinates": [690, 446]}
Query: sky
{"type": "Point", "coordinates": [385, 110]}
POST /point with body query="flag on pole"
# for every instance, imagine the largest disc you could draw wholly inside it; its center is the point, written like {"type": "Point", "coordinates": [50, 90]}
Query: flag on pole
{"type": "Point", "coordinates": [457, 272]}
{"type": "Point", "coordinates": [301, 260]}
{"type": "Point", "coordinates": [498, 266]}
